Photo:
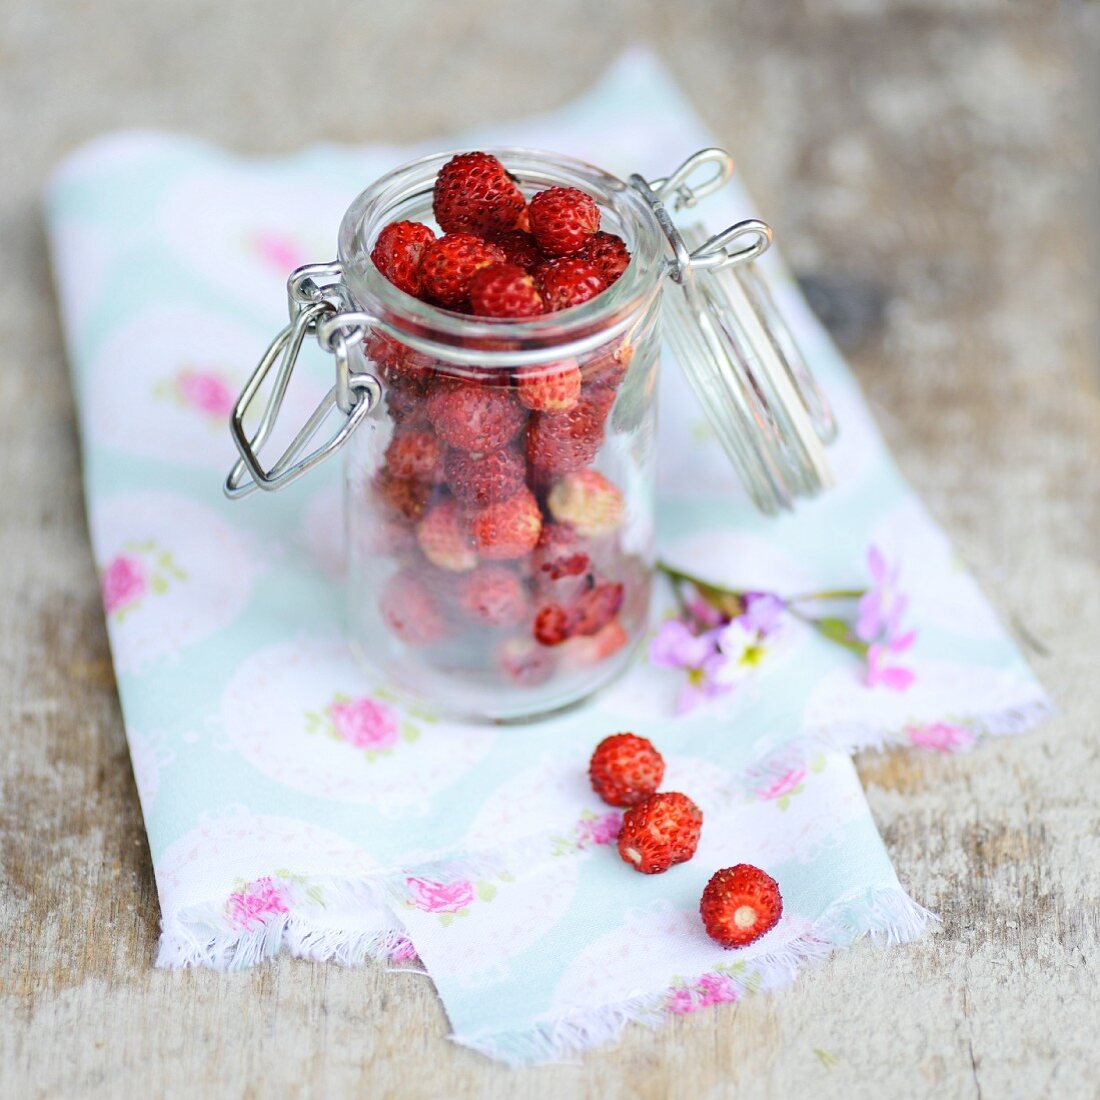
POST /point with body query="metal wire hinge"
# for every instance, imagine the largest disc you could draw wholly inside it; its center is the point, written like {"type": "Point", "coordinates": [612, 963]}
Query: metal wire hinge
{"type": "Point", "coordinates": [317, 305]}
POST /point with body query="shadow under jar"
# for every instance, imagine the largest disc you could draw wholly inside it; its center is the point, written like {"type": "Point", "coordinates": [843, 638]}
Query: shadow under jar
{"type": "Point", "coordinates": [501, 552]}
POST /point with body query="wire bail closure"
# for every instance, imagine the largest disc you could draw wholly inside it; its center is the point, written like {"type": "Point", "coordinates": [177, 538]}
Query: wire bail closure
{"type": "Point", "coordinates": [316, 307]}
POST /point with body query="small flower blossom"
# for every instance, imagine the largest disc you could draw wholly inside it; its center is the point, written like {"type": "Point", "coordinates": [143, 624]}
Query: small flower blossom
{"type": "Point", "coordinates": [880, 668]}
{"type": "Point", "coordinates": [941, 736]}
{"type": "Point", "coordinates": [123, 582]}
{"type": "Point", "coordinates": [882, 605]}
{"type": "Point", "coordinates": [254, 901]}
{"type": "Point", "coordinates": [439, 897]}
{"type": "Point", "coordinates": [205, 392]}
{"type": "Point", "coordinates": [598, 830]}
{"type": "Point", "coordinates": [365, 723]}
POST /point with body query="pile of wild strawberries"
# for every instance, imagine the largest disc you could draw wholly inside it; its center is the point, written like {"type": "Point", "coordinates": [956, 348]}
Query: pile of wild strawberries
{"type": "Point", "coordinates": [488, 492]}
{"type": "Point", "coordinates": [740, 903]}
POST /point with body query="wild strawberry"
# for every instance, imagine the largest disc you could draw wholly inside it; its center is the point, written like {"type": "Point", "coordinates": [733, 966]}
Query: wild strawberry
{"type": "Point", "coordinates": [552, 625]}
{"type": "Point", "coordinates": [562, 219]}
{"type": "Point", "coordinates": [444, 537]}
{"type": "Point", "coordinates": [660, 831]}
{"type": "Point", "coordinates": [480, 479]}
{"type": "Point", "coordinates": [580, 652]}
{"type": "Point", "coordinates": [509, 528]}
{"type": "Point", "coordinates": [625, 768]}
{"type": "Point", "coordinates": [740, 904]}
{"type": "Point", "coordinates": [399, 365]}
{"type": "Point", "coordinates": [595, 608]}
{"type": "Point", "coordinates": [548, 387]}
{"type": "Point", "coordinates": [524, 663]}
{"type": "Point", "coordinates": [588, 501]}
{"type": "Point", "coordinates": [558, 554]}
{"type": "Point", "coordinates": [415, 453]}
{"type": "Point", "coordinates": [609, 365]}
{"type": "Point", "coordinates": [473, 417]}
{"type": "Point", "coordinates": [449, 263]}
{"type": "Point", "coordinates": [403, 498]}
{"type": "Point", "coordinates": [411, 611]}
{"type": "Point", "coordinates": [559, 443]}
{"type": "Point", "coordinates": [608, 254]}
{"type": "Point", "coordinates": [504, 290]}
{"type": "Point", "coordinates": [519, 248]}
{"type": "Point", "coordinates": [397, 253]}
{"type": "Point", "coordinates": [567, 282]}
{"type": "Point", "coordinates": [474, 194]}
{"type": "Point", "coordinates": [492, 595]}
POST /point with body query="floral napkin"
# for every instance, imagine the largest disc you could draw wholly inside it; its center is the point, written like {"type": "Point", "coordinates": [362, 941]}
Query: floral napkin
{"type": "Point", "coordinates": [295, 802]}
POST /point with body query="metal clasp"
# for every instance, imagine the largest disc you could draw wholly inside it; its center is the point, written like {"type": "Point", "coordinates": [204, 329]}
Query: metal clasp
{"type": "Point", "coordinates": [315, 308]}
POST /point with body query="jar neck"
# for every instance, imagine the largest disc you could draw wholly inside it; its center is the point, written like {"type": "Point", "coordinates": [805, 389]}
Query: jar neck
{"type": "Point", "coordinates": [406, 194]}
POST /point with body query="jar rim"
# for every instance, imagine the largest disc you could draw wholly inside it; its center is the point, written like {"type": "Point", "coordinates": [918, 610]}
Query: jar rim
{"type": "Point", "coordinates": [501, 341]}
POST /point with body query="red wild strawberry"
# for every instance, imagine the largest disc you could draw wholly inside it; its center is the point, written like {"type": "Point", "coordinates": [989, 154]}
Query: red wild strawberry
{"type": "Point", "coordinates": [493, 595]}
{"type": "Point", "coordinates": [411, 610]}
{"type": "Point", "coordinates": [444, 537]}
{"type": "Point", "coordinates": [660, 831]}
{"type": "Point", "coordinates": [449, 263]}
{"type": "Point", "coordinates": [402, 497]}
{"type": "Point", "coordinates": [473, 417]}
{"type": "Point", "coordinates": [739, 905]}
{"type": "Point", "coordinates": [567, 282]}
{"type": "Point", "coordinates": [504, 290]}
{"type": "Point", "coordinates": [474, 194]}
{"type": "Point", "coordinates": [608, 254]}
{"type": "Point", "coordinates": [558, 554]}
{"type": "Point", "coordinates": [625, 768]}
{"type": "Point", "coordinates": [552, 625]}
{"type": "Point", "coordinates": [508, 528]}
{"type": "Point", "coordinates": [609, 365]}
{"type": "Point", "coordinates": [588, 501]}
{"type": "Point", "coordinates": [524, 663]}
{"type": "Point", "coordinates": [480, 479]}
{"type": "Point", "coordinates": [595, 608]}
{"type": "Point", "coordinates": [415, 453]}
{"type": "Point", "coordinates": [519, 248]}
{"type": "Point", "coordinates": [558, 443]}
{"type": "Point", "coordinates": [397, 253]}
{"type": "Point", "coordinates": [548, 387]}
{"type": "Point", "coordinates": [562, 219]}
{"type": "Point", "coordinates": [398, 364]}
{"type": "Point", "coordinates": [581, 652]}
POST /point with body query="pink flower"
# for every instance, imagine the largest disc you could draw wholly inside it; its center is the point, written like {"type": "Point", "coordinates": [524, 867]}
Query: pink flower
{"type": "Point", "coordinates": [123, 582]}
{"type": "Point", "coordinates": [785, 784]}
{"type": "Point", "coordinates": [402, 951]}
{"type": "Point", "coordinates": [205, 392]}
{"type": "Point", "coordinates": [677, 646]}
{"type": "Point", "coordinates": [890, 676]}
{"type": "Point", "coordinates": [439, 897]}
{"type": "Point", "coordinates": [256, 899]}
{"type": "Point", "coordinates": [279, 252]}
{"type": "Point", "coordinates": [365, 723]}
{"type": "Point", "coordinates": [710, 989]}
{"type": "Point", "coordinates": [882, 605]}
{"type": "Point", "coordinates": [941, 736]}
{"type": "Point", "coordinates": [598, 830]}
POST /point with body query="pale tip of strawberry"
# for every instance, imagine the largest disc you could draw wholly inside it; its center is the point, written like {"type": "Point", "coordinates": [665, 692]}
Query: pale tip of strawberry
{"type": "Point", "coordinates": [744, 916]}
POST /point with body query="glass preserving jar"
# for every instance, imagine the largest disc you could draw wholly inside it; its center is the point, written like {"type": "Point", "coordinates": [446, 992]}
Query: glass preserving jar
{"type": "Point", "coordinates": [500, 473]}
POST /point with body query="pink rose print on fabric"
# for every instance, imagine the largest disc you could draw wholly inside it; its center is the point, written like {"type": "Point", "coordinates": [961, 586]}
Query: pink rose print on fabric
{"type": "Point", "coordinates": [123, 582]}
{"type": "Point", "coordinates": [206, 392]}
{"type": "Point", "coordinates": [710, 989]}
{"type": "Point", "coordinates": [787, 784]}
{"type": "Point", "coordinates": [139, 570]}
{"type": "Point", "coordinates": [277, 251]}
{"type": "Point", "coordinates": [439, 897]}
{"type": "Point", "coordinates": [403, 951]}
{"type": "Point", "coordinates": [941, 736]}
{"type": "Point", "coordinates": [248, 906]}
{"type": "Point", "coordinates": [363, 722]}
{"type": "Point", "coordinates": [591, 831]}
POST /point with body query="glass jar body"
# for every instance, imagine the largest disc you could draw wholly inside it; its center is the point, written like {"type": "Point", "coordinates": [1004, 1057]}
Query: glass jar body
{"type": "Point", "coordinates": [500, 499]}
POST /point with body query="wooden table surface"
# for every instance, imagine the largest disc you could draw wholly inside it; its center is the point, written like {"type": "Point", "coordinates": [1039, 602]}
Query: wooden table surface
{"type": "Point", "coordinates": [932, 160]}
